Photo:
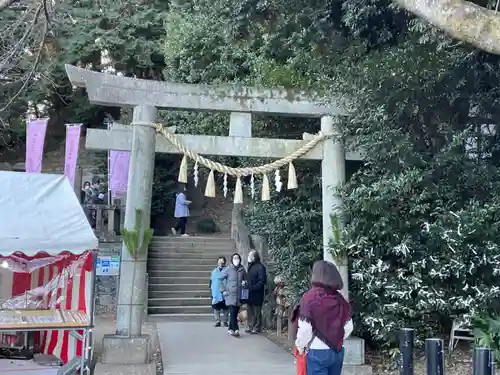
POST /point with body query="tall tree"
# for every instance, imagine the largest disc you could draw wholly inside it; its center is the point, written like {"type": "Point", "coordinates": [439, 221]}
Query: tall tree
{"type": "Point", "coordinates": [471, 22]}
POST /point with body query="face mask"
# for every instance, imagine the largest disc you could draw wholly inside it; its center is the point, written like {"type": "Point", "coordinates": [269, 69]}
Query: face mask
{"type": "Point", "coordinates": [221, 265]}
{"type": "Point", "coordinates": [236, 262]}
{"type": "Point", "coordinates": [250, 259]}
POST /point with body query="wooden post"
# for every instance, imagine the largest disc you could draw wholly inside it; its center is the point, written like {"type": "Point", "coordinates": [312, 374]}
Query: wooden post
{"type": "Point", "coordinates": [279, 322]}
{"type": "Point", "coordinates": [98, 219]}
{"type": "Point", "coordinates": [291, 330]}
{"type": "Point", "coordinates": [111, 221]}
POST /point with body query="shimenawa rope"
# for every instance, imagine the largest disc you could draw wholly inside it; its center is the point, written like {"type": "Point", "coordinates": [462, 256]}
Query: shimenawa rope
{"type": "Point", "coordinates": [240, 172]}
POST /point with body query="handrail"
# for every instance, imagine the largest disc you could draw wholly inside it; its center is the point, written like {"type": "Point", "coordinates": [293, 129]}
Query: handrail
{"type": "Point", "coordinates": [244, 239]}
{"type": "Point", "coordinates": [240, 233]}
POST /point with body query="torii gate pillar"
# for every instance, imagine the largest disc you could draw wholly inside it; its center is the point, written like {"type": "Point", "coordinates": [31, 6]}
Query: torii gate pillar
{"type": "Point", "coordinates": [332, 176]}
{"type": "Point", "coordinates": [131, 290]}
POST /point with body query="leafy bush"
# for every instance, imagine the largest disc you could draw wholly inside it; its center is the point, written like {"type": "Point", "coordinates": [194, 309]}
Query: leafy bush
{"type": "Point", "coordinates": [487, 332]}
{"type": "Point", "coordinates": [164, 184]}
{"type": "Point", "coordinates": [207, 225]}
{"type": "Point", "coordinates": [291, 222]}
{"type": "Point", "coordinates": [422, 217]}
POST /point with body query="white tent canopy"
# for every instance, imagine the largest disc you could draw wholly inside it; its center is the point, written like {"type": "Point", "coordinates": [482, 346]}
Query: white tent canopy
{"type": "Point", "coordinates": [40, 212]}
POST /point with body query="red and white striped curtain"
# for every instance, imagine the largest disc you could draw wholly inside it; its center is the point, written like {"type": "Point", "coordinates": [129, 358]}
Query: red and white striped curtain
{"type": "Point", "coordinates": [45, 281]}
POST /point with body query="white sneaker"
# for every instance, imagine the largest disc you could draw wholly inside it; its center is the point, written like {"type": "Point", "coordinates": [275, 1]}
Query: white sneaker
{"type": "Point", "coordinates": [174, 232]}
{"type": "Point", "coordinates": [236, 334]}
{"type": "Point", "coordinates": [230, 332]}
{"type": "Point", "coordinates": [185, 235]}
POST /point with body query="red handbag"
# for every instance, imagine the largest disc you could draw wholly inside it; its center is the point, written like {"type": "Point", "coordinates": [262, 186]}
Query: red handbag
{"type": "Point", "coordinates": [301, 362]}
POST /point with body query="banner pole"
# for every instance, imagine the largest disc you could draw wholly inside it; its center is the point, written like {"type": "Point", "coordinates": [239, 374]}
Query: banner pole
{"type": "Point", "coordinates": [109, 126]}
{"type": "Point", "coordinates": [434, 357]}
{"type": "Point", "coordinates": [406, 340]}
{"type": "Point", "coordinates": [482, 362]}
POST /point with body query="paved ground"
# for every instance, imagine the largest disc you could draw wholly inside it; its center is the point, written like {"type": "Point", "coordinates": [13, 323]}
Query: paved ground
{"type": "Point", "coordinates": [107, 325]}
{"type": "Point", "coordinates": [198, 348]}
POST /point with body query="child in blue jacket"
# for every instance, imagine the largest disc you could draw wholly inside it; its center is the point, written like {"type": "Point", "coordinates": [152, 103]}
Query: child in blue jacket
{"type": "Point", "coordinates": [218, 303]}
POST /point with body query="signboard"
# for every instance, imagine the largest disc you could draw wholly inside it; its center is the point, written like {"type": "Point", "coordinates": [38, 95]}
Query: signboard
{"type": "Point", "coordinates": [107, 265]}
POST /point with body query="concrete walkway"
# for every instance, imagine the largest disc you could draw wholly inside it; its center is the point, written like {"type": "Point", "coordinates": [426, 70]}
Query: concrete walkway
{"type": "Point", "coordinates": [198, 348]}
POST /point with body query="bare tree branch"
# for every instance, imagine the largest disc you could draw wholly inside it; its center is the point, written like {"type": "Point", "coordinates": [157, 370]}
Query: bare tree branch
{"type": "Point", "coordinates": [6, 3]}
{"type": "Point", "coordinates": [461, 19]}
{"type": "Point", "coordinates": [18, 48]}
{"type": "Point", "coordinates": [30, 74]}
{"type": "Point", "coordinates": [23, 50]}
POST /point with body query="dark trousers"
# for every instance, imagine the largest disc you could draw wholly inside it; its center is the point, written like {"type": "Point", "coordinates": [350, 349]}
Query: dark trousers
{"type": "Point", "coordinates": [220, 308]}
{"type": "Point", "coordinates": [255, 318]}
{"type": "Point", "coordinates": [181, 224]}
{"type": "Point", "coordinates": [233, 318]}
{"type": "Point", "coordinates": [324, 362]}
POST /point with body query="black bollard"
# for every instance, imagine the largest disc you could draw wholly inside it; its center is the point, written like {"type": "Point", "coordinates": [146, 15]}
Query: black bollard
{"type": "Point", "coordinates": [434, 356]}
{"type": "Point", "coordinates": [406, 339]}
{"type": "Point", "coordinates": [482, 362]}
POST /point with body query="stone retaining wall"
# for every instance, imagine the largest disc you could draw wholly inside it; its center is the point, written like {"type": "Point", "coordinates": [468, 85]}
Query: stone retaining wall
{"type": "Point", "coordinates": [106, 287]}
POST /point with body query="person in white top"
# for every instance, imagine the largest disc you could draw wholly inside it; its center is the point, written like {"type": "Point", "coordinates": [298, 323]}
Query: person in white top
{"type": "Point", "coordinates": [324, 321]}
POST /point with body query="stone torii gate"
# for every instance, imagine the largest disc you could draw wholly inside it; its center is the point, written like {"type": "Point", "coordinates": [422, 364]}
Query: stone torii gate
{"type": "Point", "coordinates": [142, 141]}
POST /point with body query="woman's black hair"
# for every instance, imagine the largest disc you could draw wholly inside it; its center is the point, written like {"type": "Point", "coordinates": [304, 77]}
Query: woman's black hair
{"type": "Point", "coordinates": [295, 313]}
{"type": "Point", "coordinates": [223, 258]}
{"type": "Point", "coordinates": [86, 183]}
{"type": "Point", "coordinates": [256, 256]}
{"type": "Point", "coordinates": [236, 254]}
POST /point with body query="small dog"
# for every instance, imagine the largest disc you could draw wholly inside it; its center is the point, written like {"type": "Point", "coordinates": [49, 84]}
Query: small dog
{"type": "Point", "coordinates": [243, 315]}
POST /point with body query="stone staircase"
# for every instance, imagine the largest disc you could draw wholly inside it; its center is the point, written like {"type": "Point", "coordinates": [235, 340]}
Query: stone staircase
{"type": "Point", "coordinates": [179, 270]}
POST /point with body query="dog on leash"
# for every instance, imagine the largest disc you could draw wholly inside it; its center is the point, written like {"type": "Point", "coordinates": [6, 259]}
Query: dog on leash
{"type": "Point", "coordinates": [243, 315]}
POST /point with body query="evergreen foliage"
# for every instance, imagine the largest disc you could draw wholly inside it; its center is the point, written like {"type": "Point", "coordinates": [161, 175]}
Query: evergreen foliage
{"type": "Point", "coordinates": [138, 238]}
{"type": "Point", "coordinates": [421, 215]}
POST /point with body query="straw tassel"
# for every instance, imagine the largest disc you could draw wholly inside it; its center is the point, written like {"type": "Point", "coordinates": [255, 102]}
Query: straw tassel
{"type": "Point", "coordinates": [210, 188]}
{"type": "Point", "coordinates": [224, 185]}
{"type": "Point", "coordinates": [195, 174]}
{"type": "Point", "coordinates": [292, 177]}
{"type": "Point", "coordinates": [265, 188]}
{"type": "Point", "coordinates": [183, 171]}
{"type": "Point", "coordinates": [277, 180]}
{"type": "Point", "coordinates": [238, 191]}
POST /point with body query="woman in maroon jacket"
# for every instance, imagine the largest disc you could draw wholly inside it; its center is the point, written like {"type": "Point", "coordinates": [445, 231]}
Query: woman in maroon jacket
{"type": "Point", "coordinates": [324, 321]}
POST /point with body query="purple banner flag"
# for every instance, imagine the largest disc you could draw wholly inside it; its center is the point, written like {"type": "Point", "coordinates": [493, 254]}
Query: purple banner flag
{"type": "Point", "coordinates": [35, 139]}
{"type": "Point", "coordinates": [71, 157]}
{"type": "Point", "coordinates": [118, 173]}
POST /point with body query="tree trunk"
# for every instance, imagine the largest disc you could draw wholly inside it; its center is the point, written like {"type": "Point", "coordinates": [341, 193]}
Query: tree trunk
{"type": "Point", "coordinates": [461, 19]}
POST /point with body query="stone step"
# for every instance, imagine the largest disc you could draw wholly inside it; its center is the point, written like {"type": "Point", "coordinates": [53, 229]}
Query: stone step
{"type": "Point", "coordinates": [191, 240]}
{"type": "Point", "coordinates": [169, 266]}
{"type": "Point", "coordinates": [181, 301]}
{"type": "Point", "coordinates": [180, 310]}
{"type": "Point", "coordinates": [166, 255]}
{"type": "Point", "coordinates": [180, 274]}
{"type": "Point", "coordinates": [188, 243]}
{"type": "Point", "coordinates": [169, 287]}
{"type": "Point", "coordinates": [180, 293]}
{"type": "Point", "coordinates": [182, 261]}
{"type": "Point", "coordinates": [178, 280]}
{"type": "Point", "coordinates": [213, 251]}
{"type": "Point", "coordinates": [152, 317]}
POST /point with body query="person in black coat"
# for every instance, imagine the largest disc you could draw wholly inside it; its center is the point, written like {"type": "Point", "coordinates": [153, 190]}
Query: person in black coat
{"type": "Point", "coordinates": [257, 280]}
